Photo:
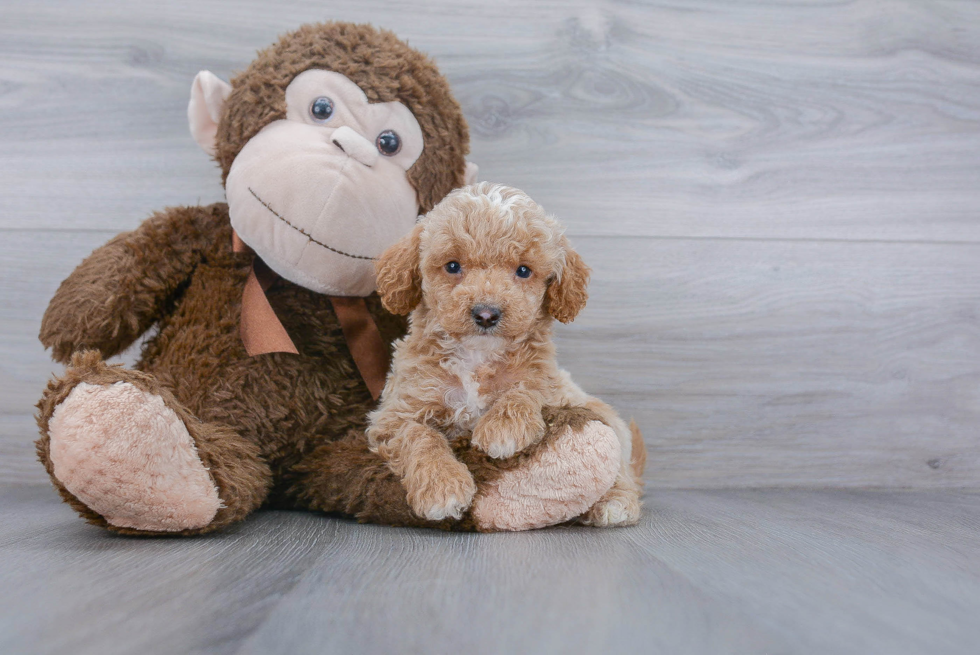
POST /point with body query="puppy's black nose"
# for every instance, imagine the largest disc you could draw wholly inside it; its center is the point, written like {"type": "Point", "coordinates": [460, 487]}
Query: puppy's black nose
{"type": "Point", "coordinates": [485, 315]}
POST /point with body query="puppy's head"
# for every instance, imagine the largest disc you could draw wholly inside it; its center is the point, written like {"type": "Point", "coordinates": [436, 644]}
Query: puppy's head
{"type": "Point", "coordinates": [486, 260]}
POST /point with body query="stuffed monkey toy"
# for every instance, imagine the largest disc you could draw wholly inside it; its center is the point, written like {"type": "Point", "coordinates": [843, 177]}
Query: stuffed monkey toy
{"type": "Point", "coordinates": [271, 345]}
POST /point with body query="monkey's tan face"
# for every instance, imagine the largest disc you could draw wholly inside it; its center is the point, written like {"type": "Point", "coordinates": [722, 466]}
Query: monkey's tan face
{"type": "Point", "coordinates": [322, 193]}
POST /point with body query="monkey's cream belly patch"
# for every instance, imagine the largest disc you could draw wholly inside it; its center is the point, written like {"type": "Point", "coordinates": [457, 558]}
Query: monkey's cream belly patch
{"type": "Point", "coordinates": [129, 457]}
{"type": "Point", "coordinates": [561, 481]}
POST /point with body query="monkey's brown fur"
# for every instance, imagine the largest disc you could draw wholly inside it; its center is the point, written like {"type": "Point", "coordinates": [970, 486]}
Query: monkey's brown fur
{"type": "Point", "coordinates": [346, 477]}
{"type": "Point", "coordinates": [235, 465]}
{"type": "Point", "coordinates": [277, 429]}
{"type": "Point", "coordinates": [178, 269]}
{"type": "Point", "coordinates": [384, 67]}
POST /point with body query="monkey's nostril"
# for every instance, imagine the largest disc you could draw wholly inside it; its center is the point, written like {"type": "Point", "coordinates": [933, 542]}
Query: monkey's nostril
{"type": "Point", "coordinates": [338, 144]}
{"type": "Point", "coordinates": [485, 316]}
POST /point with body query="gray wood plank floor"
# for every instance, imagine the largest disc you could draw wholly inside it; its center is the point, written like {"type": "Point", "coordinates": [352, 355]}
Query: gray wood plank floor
{"type": "Point", "coordinates": [711, 572]}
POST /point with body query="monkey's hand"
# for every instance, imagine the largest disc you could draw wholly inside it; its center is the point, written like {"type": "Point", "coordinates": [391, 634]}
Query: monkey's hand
{"type": "Point", "coordinates": [512, 424]}
{"type": "Point", "coordinates": [122, 288]}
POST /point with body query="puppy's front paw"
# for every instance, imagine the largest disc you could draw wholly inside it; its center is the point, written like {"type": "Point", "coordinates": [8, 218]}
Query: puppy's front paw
{"type": "Point", "coordinates": [501, 434]}
{"type": "Point", "coordinates": [443, 490]}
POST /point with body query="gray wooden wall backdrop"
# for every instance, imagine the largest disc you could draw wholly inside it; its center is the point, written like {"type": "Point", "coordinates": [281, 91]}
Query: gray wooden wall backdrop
{"type": "Point", "coordinates": [780, 202]}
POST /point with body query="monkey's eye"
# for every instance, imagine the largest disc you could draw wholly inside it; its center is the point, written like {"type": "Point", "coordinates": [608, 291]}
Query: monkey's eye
{"type": "Point", "coordinates": [453, 267]}
{"type": "Point", "coordinates": [523, 271]}
{"type": "Point", "coordinates": [322, 108]}
{"type": "Point", "coordinates": [389, 143]}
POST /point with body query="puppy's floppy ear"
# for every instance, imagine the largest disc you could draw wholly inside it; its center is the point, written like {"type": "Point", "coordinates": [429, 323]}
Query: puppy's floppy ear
{"type": "Point", "coordinates": [399, 277]}
{"type": "Point", "coordinates": [566, 294]}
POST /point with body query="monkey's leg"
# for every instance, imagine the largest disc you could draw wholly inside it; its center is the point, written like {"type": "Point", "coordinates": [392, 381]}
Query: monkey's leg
{"type": "Point", "coordinates": [345, 477]}
{"type": "Point", "coordinates": [554, 481]}
{"type": "Point", "coordinates": [126, 456]}
{"type": "Point", "coordinates": [620, 506]}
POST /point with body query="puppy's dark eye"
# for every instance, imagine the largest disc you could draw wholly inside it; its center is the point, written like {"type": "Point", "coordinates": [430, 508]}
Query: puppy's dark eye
{"type": "Point", "coordinates": [453, 267]}
{"type": "Point", "coordinates": [523, 271]}
{"type": "Point", "coordinates": [389, 143]}
{"type": "Point", "coordinates": [322, 108]}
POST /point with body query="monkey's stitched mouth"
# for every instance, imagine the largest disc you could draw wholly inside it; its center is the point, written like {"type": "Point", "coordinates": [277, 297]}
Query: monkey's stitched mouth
{"type": "Point", "coordinates": [304, 232]}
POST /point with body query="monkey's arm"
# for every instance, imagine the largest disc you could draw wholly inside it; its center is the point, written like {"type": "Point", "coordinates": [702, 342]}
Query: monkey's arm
{"type": "Point", "coordinates": [122, 288]}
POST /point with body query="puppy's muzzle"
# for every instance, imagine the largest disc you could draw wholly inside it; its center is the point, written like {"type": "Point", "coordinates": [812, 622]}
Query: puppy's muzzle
{"type": "Point", "coordinates": [485, 316]}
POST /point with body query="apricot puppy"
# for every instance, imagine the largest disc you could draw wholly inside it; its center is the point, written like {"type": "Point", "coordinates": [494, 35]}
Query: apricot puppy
{"type": "Point", "coordinates": [484, 275]}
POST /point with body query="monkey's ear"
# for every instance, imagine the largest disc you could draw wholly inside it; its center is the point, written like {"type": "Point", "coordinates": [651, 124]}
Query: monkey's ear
{"type": "Point", "coordinates": [472, 170]}
{"type": "Point", "coordinates": [566, 294]}
{"type": "Point", "coordinates": [399, 277]}
{"type": "Point", "coordinates": [208, 95]}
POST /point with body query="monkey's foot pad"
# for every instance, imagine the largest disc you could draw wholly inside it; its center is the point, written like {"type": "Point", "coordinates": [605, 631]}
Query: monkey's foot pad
{"type": "Point", "coordinates": [127, 456]}
{"type": "Point", "coordinates": [563, 480]}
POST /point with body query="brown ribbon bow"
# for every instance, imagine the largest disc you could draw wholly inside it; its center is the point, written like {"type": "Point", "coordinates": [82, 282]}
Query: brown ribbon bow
{"type": "Point", "coordinates": [262, 331]}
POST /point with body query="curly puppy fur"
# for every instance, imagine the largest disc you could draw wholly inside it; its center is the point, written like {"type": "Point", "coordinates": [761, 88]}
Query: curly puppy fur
{"type": "Point", "coordinates": [459, 372]}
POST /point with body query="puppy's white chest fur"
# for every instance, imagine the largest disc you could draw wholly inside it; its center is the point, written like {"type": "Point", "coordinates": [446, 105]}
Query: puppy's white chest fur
{"type": "Point", "coordinates": [464, 362]}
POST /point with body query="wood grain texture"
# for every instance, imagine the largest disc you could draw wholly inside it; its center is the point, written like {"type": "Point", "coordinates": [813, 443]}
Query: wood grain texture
{"type": "Point", "coordinates": [746, 363]}
{"type": "Point", "coordinates": [708, 572]}
{"type": "Point", "coordinates": [74, 588]}
{"type": "Point", "coordinates": [18, 461]}
{"type": "Point", "coordinates": [812, 120]}
{"type": "Point", "coordinates": [781, 203]}
{"type": "Point", "coordinates": [788, 363]}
